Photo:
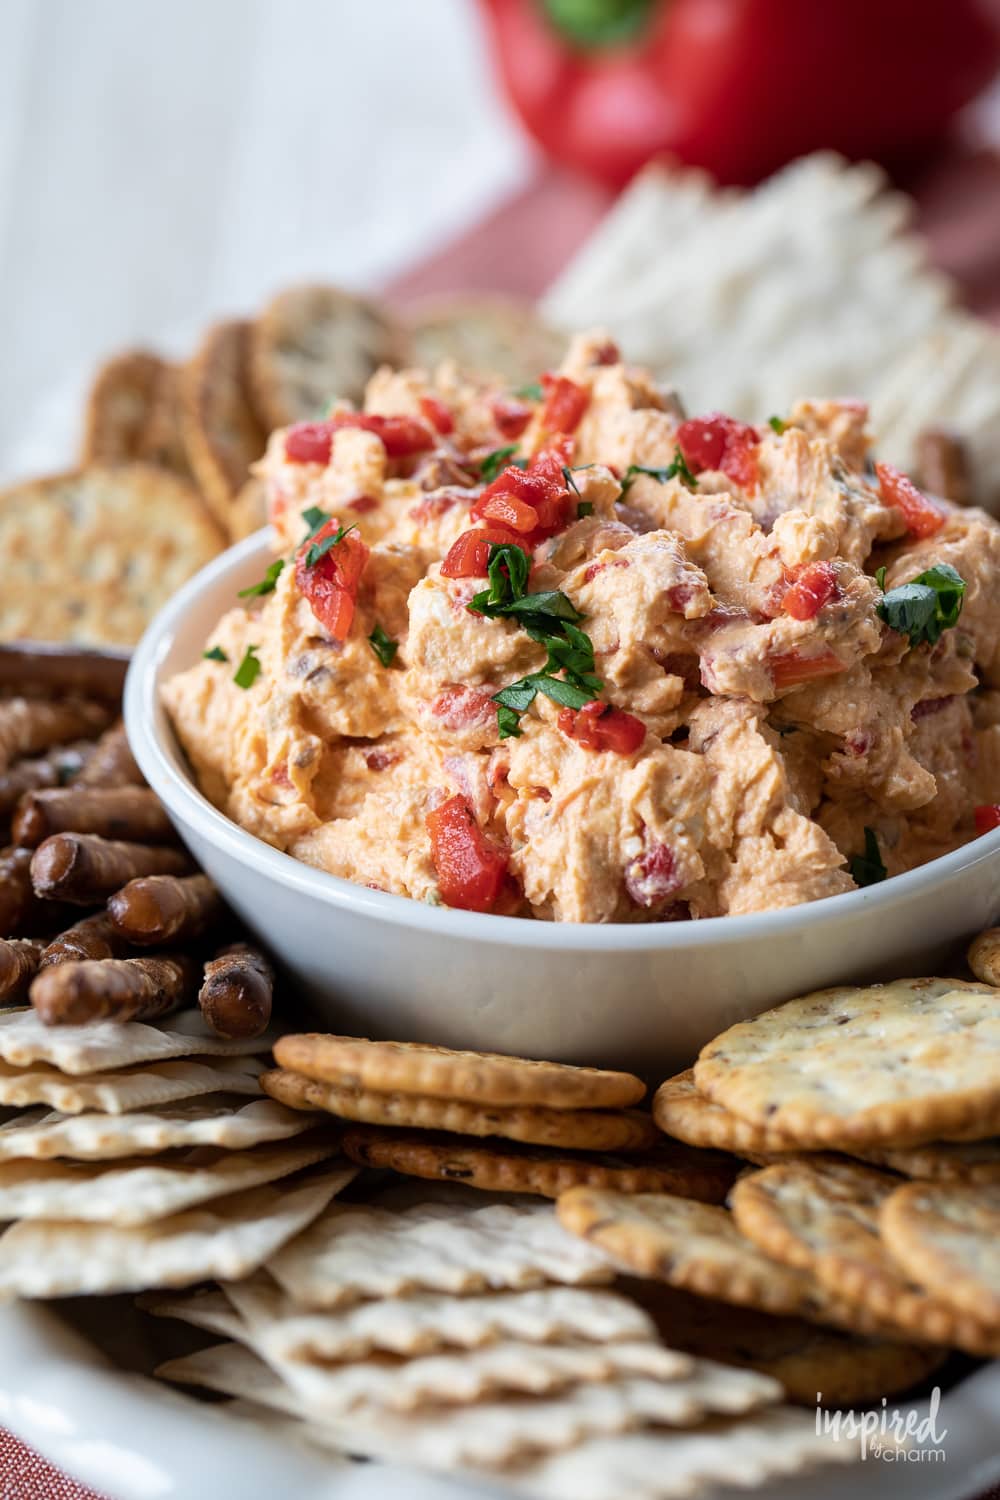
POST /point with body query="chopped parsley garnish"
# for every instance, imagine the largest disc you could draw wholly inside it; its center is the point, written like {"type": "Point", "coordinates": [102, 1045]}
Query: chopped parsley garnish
{"type": "Point", "coordinates": [570, 481]}
{"type": "Point", "coordinates": [320, 549]}
{"type": "Point", "coordinates": [215, 654]}
{"type": "Point", "coordinates": [500, 458]}
{"type": "Point", "coordinates": [926, 607]}
{"type": "Point", "coordinates": [383, 645]}
{"type": "Point", "coordinates": [315, 519]}
{"type": "Point", "coordinates": [777, 424]}
{"type": "Point", "coordinates": [678, 469]}
{"type": "Point", "coordinates": [508, 723]}
{"type": "Point", "coordinates": [530, 392]}
{"type": "Point", "coordinates": [867, 868]}
{"type": "Point", "coordinates": [248, 671]}
{"type": "Point", "coordinates": [880, 576]}
{"type": "Point", "coordinates": [266, 584]}
{"type": "Point", "coordinates": [585, 508]}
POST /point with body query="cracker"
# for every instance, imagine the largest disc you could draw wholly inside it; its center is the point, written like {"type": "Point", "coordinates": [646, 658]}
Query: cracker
{"type": "Point", "coordinates": [943, 1161]}
{"type": "Point", "coordinates": [129, 1192]}
{"type": "Point", "coordinates": [983, 956]}
{"type": "Point", "coordinates": [492, 1167]}
{"type": "Point", "coordinates": [132, 414]}
{"type": "Point", "coordinates": [805, 1358]}
{"type": "Point", "coordinates": [112, 1045]}
{"type": "Point", "coordinates": [114, 1093]}
{"type": "Point", "coordinates": [215, 1121]}
{"type": "Point", "coordinates": [947, 1237]}
{"type": "Point", "coordinates": [849, 1068]}
{"type": "Point", "coordinates": [582, 1130]}
{"type": "Point", "coordinates": [358, 1251]}
{"type": "Point", "coordinates": [696, 1247]}
{"type": "Point", "coordinates": [425, 1322]}
{"type": "Point", "coordinates": [498, 336]}
{"type": "Point", "coordinates": [227, 1239]}
{"type": "Point", "coordinates": [204, 1308]}
{"type": "Point", "coordinates": [221, 431]}
{"type": "Point", "coordinates": [681, 1111]}
{"type": "Point", "coordinates": [442, 1073]}
{"type": "Point", "coordinates": [314, 344]}
{"type": "Point", "coordinates": [824, 1221]}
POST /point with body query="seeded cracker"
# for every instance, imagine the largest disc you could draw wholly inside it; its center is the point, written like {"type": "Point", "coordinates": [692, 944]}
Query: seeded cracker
{"type": "Point", "coordinates": [947, 1238]}
{"type": "Point", "coordinates": [943, 1161]}
{"type": "Point", "coordinates": [681, 1111]}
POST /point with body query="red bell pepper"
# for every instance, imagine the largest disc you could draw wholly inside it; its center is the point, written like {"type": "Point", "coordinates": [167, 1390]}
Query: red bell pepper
{"type": "Point", "coordinates": [737, 86]}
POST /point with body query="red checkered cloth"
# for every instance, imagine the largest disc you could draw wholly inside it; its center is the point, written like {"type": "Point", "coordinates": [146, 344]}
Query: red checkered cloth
{"type": "Point", "coordinates": [26, 1476]}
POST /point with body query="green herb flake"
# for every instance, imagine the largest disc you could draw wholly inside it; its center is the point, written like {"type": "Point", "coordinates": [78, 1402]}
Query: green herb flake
{"type": "Point", "coordinates": [215, 654]}
{"type": "Point", "coordinates": [249, 669]}
{"type": "Point", "coordinates": [867, 868]}
{"type": "Point", "coordinates": [925, 608]}
{"type": "Point", "coordinates": [585, 508]}
{"type": "Point", "coordinates": [383, 645]}
{"type": "Point", "coordinates": [777, 424]}
{"type": "Point", "coordinates": [267, 583]}
{"type": "Point", "coordinates": [880, 577]}
{"type": "Point", "coordinates": [508, 723]}
{"type": "Point", "coordinates": [315, 519]}
{"type": "Point", "coordinates": [319, 550]}
{"type": "Point", "coordinates": [677, 469]}
{"type": "Point", "coordinates": [501, 458]}
{"type": "Point", "coordinates": [530, 392]}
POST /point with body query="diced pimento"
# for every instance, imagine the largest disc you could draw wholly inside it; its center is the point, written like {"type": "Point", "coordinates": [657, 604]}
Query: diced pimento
{"type": "Point", "coordinates": [815, 586]}
{"type": "Point", "coordinates": [363, 505]}
{"type": "Point", "coordinates": [922, 518]}
{"type": "Point", "coordinates": [591, 571]}
{"type": "Point", "coordinates": [459, 707]}
{"type": "Point", "coordinates": [437, 414]}
{"type": "Point", "coordinates": [565, 403]}
{"type": "Point", "coordinates": [599, 726]}
{"type": "Point", "coordinates": [470, 870]}
{"type": "Point", "coordinates": [535, 502]}
{"type": "Point", "coordinates": [720, 442]}
{"type": "Point", "coordinates": [312, 442]}
{"type": "Point", "coordinates": [987, 817]}
{"type": "Point", "coordinates": [469, 554]}
{"type": "Point", "coordinates": [508, 510]}
{"type": "Point", "coordinates": [653, 877]}
{"type": "Point", "coordinates": [511, 416]}
{"type": "Point", "coordinates": [330, 585]}
{"type": "Point", "coordinates": [309, 443]}
{"type": "Point", "coordinates": [607, 353]}
{"type": "Point", "coordinates": [789, 669]}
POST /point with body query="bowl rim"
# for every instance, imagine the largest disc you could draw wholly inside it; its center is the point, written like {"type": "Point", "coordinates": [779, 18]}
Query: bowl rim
{"type": "Point", "coordinates": [160, 759]}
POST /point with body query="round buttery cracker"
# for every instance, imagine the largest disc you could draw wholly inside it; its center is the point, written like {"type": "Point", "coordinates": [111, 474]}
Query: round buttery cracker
{"type": "Point", "coordinates": [947, 1237]}
{"type": "Point", "coordinates": [581, 1130]}
{"type": "Point", "coordinates": [496, 1168]}
{"type": "Point", "coordinates": [681, 1111]}
{"type": "Point", "coordinates": [943, 1161]}
{"type": "Point", "coordinates": [697, 1248]}
{"type": "Point", "coordinates": [221, 431]}
{"type": "Point", "coordinates": [848, 1068]}
{"type": "Point", "coordinates": [90, 556]}
{"type": "Point", "coordinates": [824, 1219]}
{"type": "Point", "coordinates": [441, 1073]}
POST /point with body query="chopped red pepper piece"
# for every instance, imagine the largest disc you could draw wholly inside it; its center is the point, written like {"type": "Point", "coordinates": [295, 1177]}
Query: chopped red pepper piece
{"type": "Point", "coordinates": [789, 669]}
{"type": "Point", "coordinates": [987, 817]}
{"type": "Point", "coordinates": [312, 442]}
{"type": "Point", "coordinates": [815, 586]}
{"type": "Point", "coordinates": [653, 877]}
{"type": "Point", "coordinates": [469, 554]}
{"type": "Point", "coordinates": [470, 870]}
{"type": "Point", "coordinates": [437, 414]}
{"type": "Point", "coordinates": [508, 510]}
{"type": "Point", "coordinates": [922, 518]}
{"type": "Point", "coordinates": [720, 442]}
{"type": "Point", "coordinates": [539, 493]}
{"type": "Point", "coordinates": [331, 584]}
{"type": "Point", "coordinates": [565, 403]}
{"type": "Point", "coordinates": [598, 726]}
{"type": "Point", "coordinates": [510, 416]}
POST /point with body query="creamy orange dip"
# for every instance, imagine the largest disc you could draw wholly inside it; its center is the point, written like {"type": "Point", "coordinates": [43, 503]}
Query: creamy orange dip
{"type": "Point", "coordinates": [712, 697]}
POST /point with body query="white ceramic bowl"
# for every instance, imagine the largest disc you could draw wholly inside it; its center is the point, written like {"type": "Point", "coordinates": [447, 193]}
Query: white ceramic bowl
{"type": "Point", "coordinates": [642, 996]}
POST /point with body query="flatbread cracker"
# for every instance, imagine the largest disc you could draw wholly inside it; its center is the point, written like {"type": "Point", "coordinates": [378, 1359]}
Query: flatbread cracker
{"type": "Point", "coordinates": [133, 415]}
{"type": "Point", "coordinates": [493, 1167]}
{"type": "Point", "coordinates": [227, 1239]}
{"type": "Point", "coordinates": [824, 1221]}
{"type": "Point", "coordinates": [681, 1111]}
{"type": "Point", "coordinates": [443, 1073]}
{"type": "Point", "coordinates": [972, 1162]}
{"type": "Point", "coordinates": [947, 1237]}
{"type": "Point", "coordinates": [204, 1308]}
{"type": "Point", "coordinates": [488, 335]}
{"type": "Point", "coordinates": [130, 1192]}
{"type": "Point", "coordinates": [128, 538]}
{"type": "Point", "coordinates": [581, 1130]}
{"type": "Point", "coordinates": [215, 1121]}
{"type": "Point", "coordinates": [221, 432]}
{"type": "Point", "coordinates": [848, 1068]}
{"type": "Point", "coordinates": [116, 1092]}
{"type": "Point", "coordinates": [358, 1251]}
{"type": "Point", "coordinates": [111, 1045]}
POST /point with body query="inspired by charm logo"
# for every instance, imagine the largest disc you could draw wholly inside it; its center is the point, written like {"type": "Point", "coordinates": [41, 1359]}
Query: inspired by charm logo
{"type": "Point", "coordinates": [894, 1436]}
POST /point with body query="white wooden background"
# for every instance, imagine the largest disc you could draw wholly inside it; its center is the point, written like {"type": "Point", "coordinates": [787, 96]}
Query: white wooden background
{"type": "Point", "coordinates": [163, 162]}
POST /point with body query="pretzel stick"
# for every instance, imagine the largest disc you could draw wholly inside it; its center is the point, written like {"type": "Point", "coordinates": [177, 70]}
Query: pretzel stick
{"type": "Point", "coordinates": [17, 898]}
{"type": "Point", "coordinates": [27, 666]}
{"type": "Point", "coordinates": [18, 964]}
{"type": "Point", "coordinates": [236, 994]}
{"type": "Point", "coordinates": [83, 868]}
{"type": "Point", "coordinates": [91, 937]}
{"type": "Point", "coordinates": [113, 989]}
{"type": "Point", "coordinates": [162, 908]}
{"type": "Point", "coordinates": [112, 763]}
{"type": "Point", "coordinates": [123, 812]}
{"type": "Point", "coordinates": [28, 725]}
{"type": "Point", "coordinates": [54, 768]}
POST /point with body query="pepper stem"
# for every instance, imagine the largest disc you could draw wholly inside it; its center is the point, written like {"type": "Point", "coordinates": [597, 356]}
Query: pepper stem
{"type": "Point", "coordinates": [598, 23]}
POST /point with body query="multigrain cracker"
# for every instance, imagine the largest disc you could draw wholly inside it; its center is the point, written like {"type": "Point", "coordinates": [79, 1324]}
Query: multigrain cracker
{"type": "Point", "coordinates": [947, 1237]}
{"type": "Point", "coordinates": [128, 538]}
{"type": "Point", "coordinates": [138, 1087]}
{"type": "Point", "coordinates": [972, 1162]}
{"type": "Point", "coordinates": [696, 1247]}
{"type": "Point", "coordinates": [681, 1111]}
{"type": "Point", "coordinates": [214, 1121]}
{"type": "Point", "coordinates": [221, 432]}
{"type": "Point", "coordinates": [824, 1221]}
{"type": "Point", "coordinates": [442, 1073]}
{"type": "Point", "coordinates": [490, 335]}
{"type": "Point", "coordinates": [120, 407]}
{"type": "Point", "coordinates": [493, 1167]}
{"type": "Point", "coordinates": [847, 1068]}
{"type": "Point", "coordinates": [226, 1239]}
{"type": "Point", "coordinates": [110, 1044]}
{"type": "Point", "coordinates": [357, 1251]}
{"type": "Point", "coordinates": [129, 1192]}
{"type": "Point", "coordinates": [580, 1130]}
